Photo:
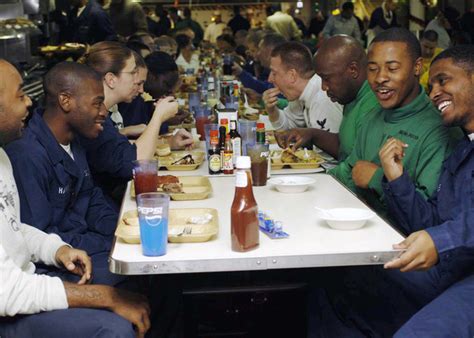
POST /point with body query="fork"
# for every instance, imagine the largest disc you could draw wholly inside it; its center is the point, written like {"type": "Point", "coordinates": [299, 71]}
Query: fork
{"type": "Point", "coordinates": [187, 230]}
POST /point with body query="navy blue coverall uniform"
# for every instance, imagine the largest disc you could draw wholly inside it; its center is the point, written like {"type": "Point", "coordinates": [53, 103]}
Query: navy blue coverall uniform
{"type": "Point", "coordinates": [57, 195]}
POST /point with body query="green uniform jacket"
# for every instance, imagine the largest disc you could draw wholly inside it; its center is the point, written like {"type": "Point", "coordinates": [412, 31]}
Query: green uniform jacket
{"type": "Point", "coordinates": [419, 125]}
{"type": "Point", "coordinates": [353, 117]}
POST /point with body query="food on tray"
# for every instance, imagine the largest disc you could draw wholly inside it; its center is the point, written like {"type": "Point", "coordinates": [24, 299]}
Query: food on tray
{"type": "Point", "coordinates": [174, 188]}
{"type": "Point", "coordinates": [165, 179]}
{"type": "Point", "coordinates": [163, 149]}
{"type": "Point", "coordinates": [170, 183]}
{"type": "Point", "coordinates": [299, 156]}
{"type": "Point", "coordinates": [188, 159]}
{"type": "Point", "coordinates": [131, 220]}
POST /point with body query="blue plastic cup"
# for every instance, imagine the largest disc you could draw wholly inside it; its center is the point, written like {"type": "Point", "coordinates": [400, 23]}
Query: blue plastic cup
{"type": "Point", "coordinates": [153, 218]}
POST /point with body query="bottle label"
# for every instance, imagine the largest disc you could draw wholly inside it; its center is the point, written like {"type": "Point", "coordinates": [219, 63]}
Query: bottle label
{"type": "Point", "coordinates": [215, 163]}
{"type": "Point", "coordinates": [241, 179]}
{"type": "Point", "coordinates": [237, 148]}
{"type": "Point", "coordinates": [227, 162]}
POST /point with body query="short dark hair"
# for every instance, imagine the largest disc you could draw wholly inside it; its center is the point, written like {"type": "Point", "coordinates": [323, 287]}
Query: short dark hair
{"type": "Point", "coordinates": [137, 47]}
{"type": "Point", "coordinates": [182, 40]}
{"type": "Point", "coordinates": [67, 76]}
{"type": "Point", "coordinates": [398, 34]}
{"type": "Point", "coordinates": [295, 55]}
{"type": "Point", "coordinates": [348, 6]}
{"type": "Point", "coordinates": [272, 40]}
{"type": "Point", "coordinates": [187, 13]}
{"type": "Point", "coordinates": [162, 74]}
{"type": "Point", "coordinates": [462, 56]}
{"type": "Point", "coordinates": [430, 35]}
{"type": "Point", "coordinates": [227, 38]}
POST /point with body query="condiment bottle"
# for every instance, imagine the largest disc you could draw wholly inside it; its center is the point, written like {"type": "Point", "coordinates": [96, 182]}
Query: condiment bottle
{"type": "Point", "coordinates": [225, 123]}
{"type": "Point", "coordinates": [244, 210]}
{"type": "Point", "coordinates": [222, 135]}
{"type": "Point", "coordinates": [214, 154]}
{"type": "Point", "coordinates": [236, 141]}
{"type": "Point", "coordinates": [227, 163]}
{"type": "Point", "coordinates": [261, 133]}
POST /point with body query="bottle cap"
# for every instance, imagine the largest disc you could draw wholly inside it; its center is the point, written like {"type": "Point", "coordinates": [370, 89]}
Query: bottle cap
{"type": "Point", "coordinates": [224, 121]}
{"type": "Point", "coordinates": [214, 133]}
{"type": "Point", "coordinates": [242, 162]}
{"type": "Point", "coordinates": [260, 125]}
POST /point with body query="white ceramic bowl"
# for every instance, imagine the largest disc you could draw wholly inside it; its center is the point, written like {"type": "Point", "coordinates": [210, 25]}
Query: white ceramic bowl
{"type": "Point", "coordinates": [291, 184]}
{"type": "Point", "coordinates": [346, 218]}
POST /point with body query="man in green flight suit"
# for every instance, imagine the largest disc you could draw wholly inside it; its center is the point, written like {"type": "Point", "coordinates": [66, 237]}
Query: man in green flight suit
{"type": "Point", "coordinates": [406, 113]}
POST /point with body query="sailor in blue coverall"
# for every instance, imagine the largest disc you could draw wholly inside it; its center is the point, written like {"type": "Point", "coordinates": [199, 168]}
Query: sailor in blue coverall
{"type": "Point", "coordinates": [443, 226]}
{"type": "Point", "coordinates": [92, 25]}
{"type": "Point", "coordinates": [370, 301]}
{"type": "Point", "coordinates": [57, 193]}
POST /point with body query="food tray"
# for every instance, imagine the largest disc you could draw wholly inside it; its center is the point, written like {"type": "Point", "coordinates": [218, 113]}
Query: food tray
{"type": "Point", "coordinates": [166, 161]}
{"type": "Point", "coordinates": [200, 232]}
{"type": "Point", "coordinates": [176, 226]}
{"type": "Point", "coordinates": [194, 188]}
{"type": "Point", "coordinates": [316, 160]}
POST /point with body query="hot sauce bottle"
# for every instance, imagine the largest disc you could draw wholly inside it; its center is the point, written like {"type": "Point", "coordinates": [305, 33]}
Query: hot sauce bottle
{"type": "Point", "coordinates": [214, 154]}
{"type": "Point", "coordinates": [244, 210]}
{"type": "Point", "coordinates": [228, 164]}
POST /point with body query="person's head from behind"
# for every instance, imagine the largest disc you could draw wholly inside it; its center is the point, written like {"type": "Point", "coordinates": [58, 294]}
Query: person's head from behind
{"type": "Point", "coordinates": [240, 36]}
{"type": "Point", "coordinates": [160, 11]}
{"type": "Point", "coordinates": [451, 85]}
{"type": "Point", "coordinates": [341, 63]}
{"type": "Point", "coordinates": [290, 67]}
{"type": "Point", "coordinates": [394, 67]}
{"type": "Point", "coordinates": [347, 10]}
{"type": "Point", "coordinates": [225, 43]}
{"type": "Point", "coordinates": [428, 42]}
{"type": "Point", "coordinates": [167, 44]}
{"type": "Point", "coordinates": [14, 103]}
{"type": "Point", "coordinates": [138, 47]}
{"type": "Point", "coordinates": [252, 41]}
{"type": "Point", "coordinates": [163, 76]}
{"type": "Point", "coordinates": [186, 31]}
{"type": "Point", "coordinates": [173, 13]}
{"type": "Point", "coordinates": [187, 13]}
{"type": "Point", "coordinates": [217, 17]}
{"type": "Point", "coordinates": [74, 94]}
{"type": "Point", "coordinates": [184, 43]}
{"type": "Point", "coordinates": [144, 38]}
{"type": "Point", "coordinates": [141, 75]}
{"type": "Point", "coordinates": [391, 5]}
{"type": "Point", "coordinates": [266, 46]}
{"type": "Point", "coordinates": [116, 64]}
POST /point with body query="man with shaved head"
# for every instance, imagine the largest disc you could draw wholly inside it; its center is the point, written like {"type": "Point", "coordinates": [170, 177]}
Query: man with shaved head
{"type": "Point", "coordinates": [56, 189]}
{"type": "Point", "coordinates": [341, 63]}
{"type": "Point", "coordinates": [27, 299]}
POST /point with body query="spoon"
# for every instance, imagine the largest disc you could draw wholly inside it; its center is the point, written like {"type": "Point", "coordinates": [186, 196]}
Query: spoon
{"type": "Point", "coordinates": [326, 213]}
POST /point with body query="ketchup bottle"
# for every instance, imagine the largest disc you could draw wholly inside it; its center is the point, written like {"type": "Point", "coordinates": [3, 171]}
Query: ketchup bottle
{"type": "Point", "coordinates": [244, 210]}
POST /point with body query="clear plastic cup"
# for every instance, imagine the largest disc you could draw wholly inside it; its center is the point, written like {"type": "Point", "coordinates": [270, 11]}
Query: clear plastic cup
{"type": "Point", "coordinates": [145, 176]}
{"type": "Point", "coordinates": [153, 218]}
{"type": "Point", "coordinates": [248, 132]}
{"type": "Point", "coordinates": [259, 154]}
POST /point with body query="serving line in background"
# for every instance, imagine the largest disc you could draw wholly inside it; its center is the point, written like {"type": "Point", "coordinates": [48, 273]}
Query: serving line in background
{"type": "Point", "coordinates": [311, 243]}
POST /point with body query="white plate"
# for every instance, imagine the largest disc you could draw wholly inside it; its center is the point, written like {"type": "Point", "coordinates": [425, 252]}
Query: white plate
{"type": "Point", "coordinates": [346, 218]}
{"type": "Point", "coordinates": [291, 184]}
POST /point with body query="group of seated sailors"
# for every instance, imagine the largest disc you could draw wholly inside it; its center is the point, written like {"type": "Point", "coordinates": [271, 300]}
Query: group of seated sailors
{"type": "Point", "coordinates": [406, 154]}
